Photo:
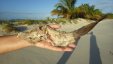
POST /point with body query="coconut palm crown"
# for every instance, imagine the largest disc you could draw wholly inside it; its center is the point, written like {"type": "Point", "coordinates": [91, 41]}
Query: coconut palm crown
{"type": "Point", "coordinates": [64, 8]}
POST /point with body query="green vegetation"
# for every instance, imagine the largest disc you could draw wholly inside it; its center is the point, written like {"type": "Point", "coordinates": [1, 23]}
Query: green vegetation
{"type": "Point", "coordinates": [109, 15]}
{"type": "Point", "coordinates": [27, 22]}
{"type": "Point", "coordinates": [88, 12]}
{"type": "Point", "coordinates": [8, 27]}
{"type": "Point", "coordinates": [12, 25]}
{"type": "Point", "coordinates": [66, 9]}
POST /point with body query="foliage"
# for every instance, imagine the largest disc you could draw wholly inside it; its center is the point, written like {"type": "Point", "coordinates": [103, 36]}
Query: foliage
{"type": "Point", "coordinates": [64, 8]}
{"type": "Point", "coordinates": [109, 15]}
{"type": "Point", "coordinates": [57, 20]}
{"type": "Point", "coordinates": [24, 22]}
{"type": "Point", "coordinates": [8, 27]}
{"type": "Point", "coordinates": [30, 22]}
{"type": "Point", "coordinates": [67, 9]}
{"type": "Point", "coordinates": [88, 12]}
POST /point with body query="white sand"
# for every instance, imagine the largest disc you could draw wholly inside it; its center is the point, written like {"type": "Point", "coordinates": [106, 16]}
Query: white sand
{"type": "Point", "coordinates": [74, 26]}
{"type": "Point", "coordinates": [92, 49]}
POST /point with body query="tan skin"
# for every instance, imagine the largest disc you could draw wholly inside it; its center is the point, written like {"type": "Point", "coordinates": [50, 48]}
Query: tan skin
{"type": "Point", "coordinates": [11, 43]}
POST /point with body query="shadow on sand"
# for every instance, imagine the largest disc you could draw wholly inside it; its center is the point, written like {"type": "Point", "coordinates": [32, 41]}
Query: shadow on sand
{"type": "Point", "coordinates": [66, 56]}
{"type": "Point", "coordinates": [21, 28]}
{"type": "Point", "coordinates": [94, 51]}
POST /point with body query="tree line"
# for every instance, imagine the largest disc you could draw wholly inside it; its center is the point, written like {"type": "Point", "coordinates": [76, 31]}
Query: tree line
{"type": "Point", "coordinates": [67, 9]}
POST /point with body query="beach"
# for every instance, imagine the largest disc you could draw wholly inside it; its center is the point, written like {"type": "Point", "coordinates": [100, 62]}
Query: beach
{"type": "Point", "coordinates": [96, 47]}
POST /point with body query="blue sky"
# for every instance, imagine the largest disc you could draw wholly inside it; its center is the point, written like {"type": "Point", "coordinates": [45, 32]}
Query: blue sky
{"type": "Point", "coordinates": [38, 9]}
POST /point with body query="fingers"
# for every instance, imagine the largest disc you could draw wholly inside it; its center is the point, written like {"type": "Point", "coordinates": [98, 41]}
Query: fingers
{"type": "Point", "coordinates": [47, 45]}
{"type": "Point", "coordinates": [50, 47]}
{"type": "Point", "coordinates": [72, 45]}
{"type": "Point", "coordinates": [68, 49]}
{"type": "Point", "coordinates": [55, 26]}
{"type": "Point", "coordinates": [60, 49]}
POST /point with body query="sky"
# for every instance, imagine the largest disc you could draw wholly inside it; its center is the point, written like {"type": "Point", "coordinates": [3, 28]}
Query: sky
{"type": "Point", "coordinates": [40, 9]}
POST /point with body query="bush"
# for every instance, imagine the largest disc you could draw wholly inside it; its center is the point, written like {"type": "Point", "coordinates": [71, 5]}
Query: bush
{"type": "Point", "coordinates": [25, 22]}
{"type": "Point", "coordinates": [109, 15]}
{"type": "Point", "coordinates": [8, 27]}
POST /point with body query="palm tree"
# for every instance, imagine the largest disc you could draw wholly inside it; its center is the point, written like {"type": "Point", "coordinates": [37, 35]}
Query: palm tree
{"type": "Point", "coordinates": [65, 9]}
{"type": "Point", "coordinates": [87, 11]}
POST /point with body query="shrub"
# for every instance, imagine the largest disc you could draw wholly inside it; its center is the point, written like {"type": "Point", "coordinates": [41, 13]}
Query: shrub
{"type": "Point", "coordinates": [8, 27]}
{"type": "Point", "coordinates": [25, 22]}
{"type": "Point", "coordinates": [109, 15]}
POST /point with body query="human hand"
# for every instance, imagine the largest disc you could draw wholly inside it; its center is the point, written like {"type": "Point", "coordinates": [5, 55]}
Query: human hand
{"type": "Point", "coordinates": [55, 26]}
{"type": "Point", "coordinates": [47, 44]}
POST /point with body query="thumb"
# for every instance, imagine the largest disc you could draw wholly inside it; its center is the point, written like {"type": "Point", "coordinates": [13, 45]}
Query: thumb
{"type": "Point", "coordinates": [55, 26]}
